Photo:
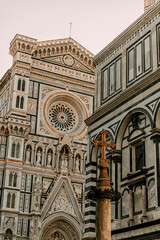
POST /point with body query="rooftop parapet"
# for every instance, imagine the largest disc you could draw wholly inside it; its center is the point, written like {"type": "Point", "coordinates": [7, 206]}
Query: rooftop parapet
{"type": "Point", "coordinates": [22, 43]}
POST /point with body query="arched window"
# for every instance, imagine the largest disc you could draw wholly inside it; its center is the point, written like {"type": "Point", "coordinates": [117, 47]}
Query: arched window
{"type": "Point", "coordinates": [13, 150]}
{"type": "Point", "coordinates": [17, 101]}
{"type": "Point", "coordinates": [17, 150]}
{"type": "Point", "coordinates": [22, 102]}
{"type": "Point", "coordinates": [15, 180]}
{"type": "Point", "coordinates": [10, 179]}
{"type": "Point", "coordinates": [19, 84]}
{"type": "Point", "coordinates": [23, 85]}
{"type": "Point", "coordinates": [13, 200]}
{"type": "Point", "coordinates": [8, 200]}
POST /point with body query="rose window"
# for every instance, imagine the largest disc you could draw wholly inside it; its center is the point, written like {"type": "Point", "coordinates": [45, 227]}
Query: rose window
{"type": "Point", "coordinates": [62, 117]}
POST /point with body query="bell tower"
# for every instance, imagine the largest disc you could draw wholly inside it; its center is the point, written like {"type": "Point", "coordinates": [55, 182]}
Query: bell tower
{"type": "Point", "coordinates": [149, 3]}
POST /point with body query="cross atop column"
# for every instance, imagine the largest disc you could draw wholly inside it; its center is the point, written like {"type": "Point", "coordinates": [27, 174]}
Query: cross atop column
{"type": "Point", "coordinates": [103, 143]}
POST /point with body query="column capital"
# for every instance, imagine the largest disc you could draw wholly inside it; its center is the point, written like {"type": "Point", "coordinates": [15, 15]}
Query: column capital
{"type": "Point", "coordinates": [155, 135]}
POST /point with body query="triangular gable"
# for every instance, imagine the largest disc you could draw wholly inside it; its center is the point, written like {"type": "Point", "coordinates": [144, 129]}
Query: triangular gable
{"type": "Point", "coordinates": [62, 198]}
{"type": "Point", "coordinates": [65, 51]}
{"type": "Point", "coordinates": [68, 60]}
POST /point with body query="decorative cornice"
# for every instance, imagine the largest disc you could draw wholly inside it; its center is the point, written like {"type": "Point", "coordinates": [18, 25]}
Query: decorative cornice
{"type": "Point", "coordinates": [5, 79]}
{"type": "Point", "coordinates": [123, 96]}
{"type": "Point", "coordinates": [128, 34]}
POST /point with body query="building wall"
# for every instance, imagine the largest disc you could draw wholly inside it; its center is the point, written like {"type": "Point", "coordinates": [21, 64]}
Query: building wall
{"type": "Point", "coordinates": [44, 99]}
{"type": "Point", "coordinates": [127, 106]}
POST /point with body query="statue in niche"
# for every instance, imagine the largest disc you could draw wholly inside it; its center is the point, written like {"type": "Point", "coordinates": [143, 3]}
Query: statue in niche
{"type": "Point", "coordinates": [39, 156]}
{"type": "Point", "coordinates": [64, 158]}
{"type": "Point", "coordinates": [57, 236]}
{"type": "Point", "coordinates": [64, 161]}
{"type": "Point", "coordinates": [49, 158]}
{"type": "Point", "coordinates": [135, 121]}
{"type": "Point", "coordinates": [28, 154]}
{"type": "Point", "coordinates": [77, 163]}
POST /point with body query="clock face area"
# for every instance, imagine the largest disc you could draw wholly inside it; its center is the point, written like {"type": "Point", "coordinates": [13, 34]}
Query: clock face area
{"type": "Point", "coordinates": [64, 114]}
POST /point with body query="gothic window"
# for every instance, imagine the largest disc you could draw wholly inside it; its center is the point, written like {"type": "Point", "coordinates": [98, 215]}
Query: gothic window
{"type": "Point", "coordinates": [19, 85]}
{"type": "Point", "coordinates": [10, 179]}
{"type": "Point", "coordinates": [23, 85]}
{"type": "Point", "coordinates": [22, 102]}
{"type": "Point", "coordinates": [13, 150]}
{"type": "Point", "coordinates": [17, 150]}
{"type": "Point", "coordinates": [15, 180]}
{"type": "Point", "coordinates": [139, 58]}
{"type": "Point", "coordinates": [17, 101]}
{"type": "Point", "coordinates": [8, 200]}
{"type": "Point", "coordinates": [13, 201]}
{"type": "Point", "coordinates": [111, 78]}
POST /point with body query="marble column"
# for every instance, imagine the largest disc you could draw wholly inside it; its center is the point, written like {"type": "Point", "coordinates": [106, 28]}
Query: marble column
{"type": "Point", "coordinates": [103, 212]}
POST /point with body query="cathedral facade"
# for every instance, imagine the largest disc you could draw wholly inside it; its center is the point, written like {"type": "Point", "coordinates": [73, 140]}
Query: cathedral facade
{"type": "Point", "coordinates": [44, 99]}
{"type": "Point", "coordinates": [127, 106]}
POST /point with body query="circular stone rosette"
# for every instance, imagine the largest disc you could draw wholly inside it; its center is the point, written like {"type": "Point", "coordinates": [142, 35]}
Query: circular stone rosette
{"type": "Point", "coordinates": [65, 113]}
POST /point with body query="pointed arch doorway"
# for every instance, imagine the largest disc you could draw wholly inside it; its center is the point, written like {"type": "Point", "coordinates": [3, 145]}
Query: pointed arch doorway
{"type": "Point", "coordinates": [60, 230]}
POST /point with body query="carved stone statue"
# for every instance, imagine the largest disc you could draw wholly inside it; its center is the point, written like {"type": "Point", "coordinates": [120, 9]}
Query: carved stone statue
{"type": "Point", "coordinates": [77, 165]}
{"type": "Point", "coordinates": [56, 236]}
{"type": "Point", "coordinates": [28, 154]}
{"type": "Point", "coordinates": [64, 161]}
{"type": "Point", "coordinates": [49, 158]}
{"type": "Point", "coordinates": [39, 156]}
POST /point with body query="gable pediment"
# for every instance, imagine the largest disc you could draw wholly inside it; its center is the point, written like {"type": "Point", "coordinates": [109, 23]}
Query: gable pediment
{"type": "Point", "coordinates": [66, 52]}
{"type": "Point", "coordinates": [69, 61]}
{"type": "Point", "coordinates": [62, 198]}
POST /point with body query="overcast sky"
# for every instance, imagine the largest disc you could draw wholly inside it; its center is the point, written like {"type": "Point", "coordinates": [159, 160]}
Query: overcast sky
{"type": "Point", "coordinates": [95, 22]}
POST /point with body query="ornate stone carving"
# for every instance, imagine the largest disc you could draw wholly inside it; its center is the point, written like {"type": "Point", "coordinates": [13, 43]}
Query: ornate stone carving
{"type": "Point", "coordinates": [78, 189]}
{"type": "Point", "coordinates": [62, 203]}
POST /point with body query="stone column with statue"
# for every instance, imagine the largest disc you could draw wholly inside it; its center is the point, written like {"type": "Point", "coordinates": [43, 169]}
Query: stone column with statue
{"type": "Point", "coordinates": [103, 192]}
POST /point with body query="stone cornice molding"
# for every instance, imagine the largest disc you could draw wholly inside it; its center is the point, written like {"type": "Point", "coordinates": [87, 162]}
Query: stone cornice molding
{"type": "Point", "coordinates": [6, 77]}
{"type": "Point", "coordinates": [51, 48]}
{"type": "Point", "coordinates": [123, 97]}
{"type": "Point", "coordinates": [63, 42]}
{"type": "Point", "coordinates": [128, 34]}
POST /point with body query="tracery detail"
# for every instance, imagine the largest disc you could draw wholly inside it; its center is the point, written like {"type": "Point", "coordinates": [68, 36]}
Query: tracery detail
{"type": "Point", "coordinates": [62, 117]}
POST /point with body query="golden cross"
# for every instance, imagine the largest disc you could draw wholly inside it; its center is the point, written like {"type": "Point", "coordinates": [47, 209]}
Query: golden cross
{"type": "Point", "coordinates": [103, 143]}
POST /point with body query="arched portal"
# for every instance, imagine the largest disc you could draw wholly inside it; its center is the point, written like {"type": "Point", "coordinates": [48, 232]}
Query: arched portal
{"type": "Point", "coordinates": [60, 228]}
